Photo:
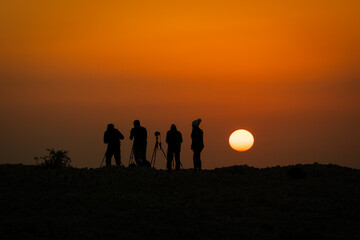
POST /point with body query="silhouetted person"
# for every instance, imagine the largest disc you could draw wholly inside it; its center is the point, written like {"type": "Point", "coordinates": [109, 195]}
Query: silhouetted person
{"type": "Point", "coordinates": [174, 140]}
{"type": "Point", "coordinates": [197, 144]}
{"type": "Point", "coordinates": [112, 137]}
{"type": "Point", "coordinates": [139, 134]}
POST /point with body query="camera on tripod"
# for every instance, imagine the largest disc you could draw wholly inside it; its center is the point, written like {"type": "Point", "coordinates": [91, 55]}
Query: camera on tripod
{"type": "Point", "coordinates": [157, 147]}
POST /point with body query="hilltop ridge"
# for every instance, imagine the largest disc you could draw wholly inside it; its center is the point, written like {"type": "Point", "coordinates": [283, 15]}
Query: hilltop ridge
{"type": "Point", "coordinates": [238, 202]}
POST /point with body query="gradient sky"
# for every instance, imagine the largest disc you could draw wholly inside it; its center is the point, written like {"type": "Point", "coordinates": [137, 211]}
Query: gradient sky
{"type": "Point", "coordinates": [288, 71]}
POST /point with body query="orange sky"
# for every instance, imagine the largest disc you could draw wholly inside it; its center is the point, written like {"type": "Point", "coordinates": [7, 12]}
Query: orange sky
{"type": "Point", "coordinates": [286, 71]}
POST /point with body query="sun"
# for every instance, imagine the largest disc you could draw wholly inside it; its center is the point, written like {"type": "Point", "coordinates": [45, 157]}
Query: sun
{"type": "Point", "coordinates": [241, 140]}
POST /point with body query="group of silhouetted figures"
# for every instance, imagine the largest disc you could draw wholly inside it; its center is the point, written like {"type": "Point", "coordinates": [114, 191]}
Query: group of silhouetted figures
{"type": "Point", "coordinates": [138, 134]}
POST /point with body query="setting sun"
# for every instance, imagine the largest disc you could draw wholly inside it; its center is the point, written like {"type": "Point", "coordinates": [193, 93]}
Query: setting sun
{"type": "Point", "coordinates": [241, 140]}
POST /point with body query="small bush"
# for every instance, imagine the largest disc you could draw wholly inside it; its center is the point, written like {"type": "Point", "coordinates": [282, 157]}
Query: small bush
{"type": "Point", "coordinates": [55, 159]}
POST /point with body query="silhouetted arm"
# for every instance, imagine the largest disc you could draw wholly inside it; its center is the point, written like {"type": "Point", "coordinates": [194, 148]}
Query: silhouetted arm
{"type": "Point", "coordinates": [202, 140]}
{"type": "Point", "coordinates": [120, 135]}
{"type": "Point", "coordinates": [180, 138]}
{"type": "Point", "coordinates": [167, 137]}
{"type": "Point", "coordinates": [105, 138]}
{"type": "Point", "coordinates": [131, 134]}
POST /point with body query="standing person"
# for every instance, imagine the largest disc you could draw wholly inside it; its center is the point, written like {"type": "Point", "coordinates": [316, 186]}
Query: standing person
{"type": "Point", "coordinates": [174, 140]}
{"type": "Point", "coordinates": [197, 144]}
{"type": "Point", "coordinates": [139, 134]}
{"type": "Point", "coordinates": [112, 138]}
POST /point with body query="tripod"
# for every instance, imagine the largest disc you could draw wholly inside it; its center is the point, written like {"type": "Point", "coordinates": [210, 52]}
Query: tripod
{"type": "Point", "coordinates": [131, 158]}
{"type": "Point", "coordinates": [157, 146]}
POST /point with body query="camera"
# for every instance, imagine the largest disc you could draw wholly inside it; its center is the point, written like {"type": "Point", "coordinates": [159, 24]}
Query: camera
{"type": "Point", "coordinates": [157, 133]}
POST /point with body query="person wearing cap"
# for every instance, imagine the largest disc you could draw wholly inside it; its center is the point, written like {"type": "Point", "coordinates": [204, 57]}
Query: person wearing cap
{"type": "Point", "coordinates": [174, 140]}
{"type": "Point", "coordinates": [112, 138]}
{"type": "Point", "coordinates": [197, 144]}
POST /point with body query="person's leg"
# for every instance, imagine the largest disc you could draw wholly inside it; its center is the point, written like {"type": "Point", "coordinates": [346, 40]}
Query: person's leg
{"type": "Point", "coordinates": [194, 160]}
{"type": "Point", "coordinates": [108, 154]}
{"type": "Point", "coordinates": [143, 154]}
{"type": "Point", "coordinates": [169, 160]}
{"type": "Point", "coordinates": [177, 160]}
{"type": "Point", "coordinates": [137, 156]}
{"type": "Point", "coordinates": [117, 156]}
{"type": "Point", "coordinates": [197, 162]}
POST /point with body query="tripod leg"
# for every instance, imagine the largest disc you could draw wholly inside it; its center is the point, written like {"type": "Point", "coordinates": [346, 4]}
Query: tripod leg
{"type": "Point", "coordinates": [103, 160]}
{"type": "Point", "coordinates": [163, 152]}
{"type": "Point", "coordinates": [153, 157]}
{"type": "Point", "coordinates": [178, 164]}
{"type": "Point", "coordinates": [153, 162]}
{"type": "Point", "coordinates": [131, 158]}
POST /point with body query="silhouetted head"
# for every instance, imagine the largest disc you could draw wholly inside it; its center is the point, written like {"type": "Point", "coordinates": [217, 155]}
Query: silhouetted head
{"type": "Point", "coordinates": [173, 127]}
{"type": "Point", "coordinates": [136, 123]}
{"type": "Point", "coordinates": [110, 126]}
{"type": "Point", "coordinates": [196, 122]}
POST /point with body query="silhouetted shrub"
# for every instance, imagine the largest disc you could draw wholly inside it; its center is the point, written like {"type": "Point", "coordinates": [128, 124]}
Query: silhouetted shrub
{"type": "Point", "coordinates": [55, 159]}
{"type": "Point", "coordinates": [296, 173]}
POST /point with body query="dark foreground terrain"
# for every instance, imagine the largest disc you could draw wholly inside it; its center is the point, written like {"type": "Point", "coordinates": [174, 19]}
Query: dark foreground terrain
{"type": "Point", "coordinates": [230, 203]}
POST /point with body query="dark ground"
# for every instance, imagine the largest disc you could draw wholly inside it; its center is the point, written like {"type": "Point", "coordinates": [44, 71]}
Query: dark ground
{"type": "Point", "coordinates": [230, 203]}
